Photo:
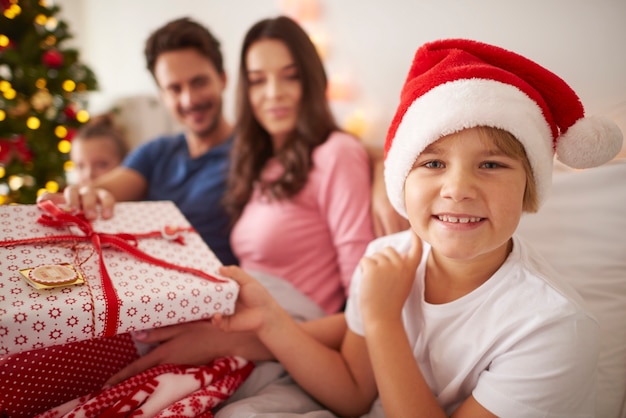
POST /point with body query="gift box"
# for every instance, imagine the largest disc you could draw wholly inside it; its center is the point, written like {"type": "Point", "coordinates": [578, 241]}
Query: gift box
{"type": "Point", "coordinates": [64, 279]}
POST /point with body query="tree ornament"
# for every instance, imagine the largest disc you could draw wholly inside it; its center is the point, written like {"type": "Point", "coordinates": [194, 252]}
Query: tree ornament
{"type": "Point", "coordinates": [20, 108]}
{"type": "Point", "coordinates": [41, 100]}
{"type": "Point", "coordinates": [52, 58]}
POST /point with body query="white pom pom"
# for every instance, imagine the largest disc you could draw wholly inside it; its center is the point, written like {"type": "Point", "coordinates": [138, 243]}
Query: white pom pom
{"type": "Point", "coordinates": [590, 142]}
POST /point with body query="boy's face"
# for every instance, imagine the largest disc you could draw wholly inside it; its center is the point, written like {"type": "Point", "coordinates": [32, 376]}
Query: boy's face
{"type": "Point", "coordinates": [464, 196]}
{"type": "Point", "coordinates": [191, 89]}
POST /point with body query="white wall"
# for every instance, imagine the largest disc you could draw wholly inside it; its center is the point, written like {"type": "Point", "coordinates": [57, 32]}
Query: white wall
{"type": "Point", "coordinates": [370, 42]}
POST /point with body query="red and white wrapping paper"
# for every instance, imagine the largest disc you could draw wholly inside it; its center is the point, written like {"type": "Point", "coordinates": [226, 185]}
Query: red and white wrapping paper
{"type": "Point", "coordinates": [142, 296]}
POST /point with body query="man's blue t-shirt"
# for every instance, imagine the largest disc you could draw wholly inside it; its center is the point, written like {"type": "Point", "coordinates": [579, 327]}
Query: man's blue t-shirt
{"type": "Point", "coordinates": [196, 186]}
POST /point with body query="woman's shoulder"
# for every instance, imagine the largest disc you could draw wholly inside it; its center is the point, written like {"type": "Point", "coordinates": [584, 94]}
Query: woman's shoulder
{"type": "Point", "coordinates": [340, 140]}
{"type": "Point", "coordinates": [340, 145]}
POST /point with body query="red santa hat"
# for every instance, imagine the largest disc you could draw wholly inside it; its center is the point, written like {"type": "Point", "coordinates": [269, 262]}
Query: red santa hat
{"type": "Point", "coordinates": [456, 84]}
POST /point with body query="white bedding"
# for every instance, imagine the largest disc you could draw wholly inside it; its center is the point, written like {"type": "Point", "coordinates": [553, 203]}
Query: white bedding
{"type": "Point", "coordinates": [581, 229]}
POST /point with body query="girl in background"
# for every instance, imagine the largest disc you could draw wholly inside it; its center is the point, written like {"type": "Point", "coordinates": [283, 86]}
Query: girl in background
{"type": "Point", "coordinates": [99, 147]}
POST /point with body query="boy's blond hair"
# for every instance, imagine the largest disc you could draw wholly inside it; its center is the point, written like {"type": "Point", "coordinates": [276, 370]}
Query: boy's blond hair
{"type": "Point", "coordinates": [511, 147]}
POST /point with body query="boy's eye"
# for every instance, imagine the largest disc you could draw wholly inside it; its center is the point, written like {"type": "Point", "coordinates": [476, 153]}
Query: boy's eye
{"type": "Point", "coordinates": [491, 164]}
{"type": "Point", "coordinates": [434, 164]}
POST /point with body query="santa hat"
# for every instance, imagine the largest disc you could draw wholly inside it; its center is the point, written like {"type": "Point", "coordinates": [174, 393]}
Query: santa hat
{"type": "Point", "coordinates": [456, 84]}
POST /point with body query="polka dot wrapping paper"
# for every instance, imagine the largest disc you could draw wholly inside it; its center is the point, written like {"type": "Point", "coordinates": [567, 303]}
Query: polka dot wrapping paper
{"type": "Point", "coordinates": [32, 382]}
{"type": "Point", "coordinates": [139, 294]}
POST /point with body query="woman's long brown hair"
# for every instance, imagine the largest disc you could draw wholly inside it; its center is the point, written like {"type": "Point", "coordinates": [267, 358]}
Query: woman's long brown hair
{"type": "Point", "coordinates": [253, 147]}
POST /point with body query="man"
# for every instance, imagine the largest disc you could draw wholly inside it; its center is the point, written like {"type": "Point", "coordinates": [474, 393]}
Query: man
{"type": "Point", "coordinates": [190, 168]}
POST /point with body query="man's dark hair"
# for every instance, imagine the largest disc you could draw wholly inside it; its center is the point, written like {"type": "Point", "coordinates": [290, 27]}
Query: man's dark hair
{"type": "Point", "coordinates": [180, 34]}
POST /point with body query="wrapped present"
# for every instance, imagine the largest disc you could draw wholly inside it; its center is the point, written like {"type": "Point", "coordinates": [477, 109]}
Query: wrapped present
{"type": "Point", "coordinates": [64, 279]}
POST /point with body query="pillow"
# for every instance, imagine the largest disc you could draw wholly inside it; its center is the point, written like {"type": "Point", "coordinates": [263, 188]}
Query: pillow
{"type": "Point", "coordinates": [581, 230]}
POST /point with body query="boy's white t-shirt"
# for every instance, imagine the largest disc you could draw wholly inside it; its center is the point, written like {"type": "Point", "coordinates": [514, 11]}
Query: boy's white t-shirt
{"type": "Point", "coordinates": [522, 343]}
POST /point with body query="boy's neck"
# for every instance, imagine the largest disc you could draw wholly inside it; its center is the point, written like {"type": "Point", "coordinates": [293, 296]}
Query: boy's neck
{"type": "Point", "coordinates": [447, 279]}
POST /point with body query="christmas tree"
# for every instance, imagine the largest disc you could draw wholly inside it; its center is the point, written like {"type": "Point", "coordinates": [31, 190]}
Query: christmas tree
{"type": "Point", "coordinates": [43, 99]}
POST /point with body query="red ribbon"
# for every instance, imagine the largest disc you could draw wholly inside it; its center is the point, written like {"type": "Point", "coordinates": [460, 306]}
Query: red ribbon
{"type": "Point", "coordinates": [56, 217]}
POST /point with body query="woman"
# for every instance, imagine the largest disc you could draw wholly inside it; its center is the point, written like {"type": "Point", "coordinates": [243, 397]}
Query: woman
{"type": "Point", "coordinates": [299, 188]}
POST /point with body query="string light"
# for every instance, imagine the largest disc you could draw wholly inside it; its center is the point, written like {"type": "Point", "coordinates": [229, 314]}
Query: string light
{"type": "Point", "coordinates": [40, 192]}
{"type": "Point", "coordinates": [40, 83]}
{"type": "Point", "coordinates": [82, 116]}
{"type": "Point", "coordinates": [12, 11]}
{"type": "Point", "coordinates": [41, 19]}
{"type": "Point", "coordinates": [68, 165]}
{"type": "Point", "coordinates": [51, 24]}
{"type": "Point", "coordinates": [15, 182]}
{"type": "Point", "coordinates": [339, 88]}
{"type": "Point", "coordinates": [52, 186]}
{"type": "Point", "coordinates": [3, 115]}
{"type": "Point", "coordinates": [33, 123]}
{"type": "Point", "coordinates": [60, 131]}
{"type": "Point", "coordinates": [355, 124]}
{"type": "Point", "coordinates": [9, 94]}
{"type": "Point", "coordinates": [64, 146]}
{"type": "Point", "coordinates": [69, 85]}
{"type": "Point", "coordinates": [4, 41]}
{"type": "Point", "coordinates": [3, 171]}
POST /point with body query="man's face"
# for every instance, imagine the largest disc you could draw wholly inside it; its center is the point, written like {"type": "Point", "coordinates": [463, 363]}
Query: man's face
{"type": "Point", "coordinates": [191, 89]}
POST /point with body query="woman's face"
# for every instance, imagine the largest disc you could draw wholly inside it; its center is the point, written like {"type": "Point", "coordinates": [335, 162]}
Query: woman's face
{"type": "Point", "coordinates": [275, 89]}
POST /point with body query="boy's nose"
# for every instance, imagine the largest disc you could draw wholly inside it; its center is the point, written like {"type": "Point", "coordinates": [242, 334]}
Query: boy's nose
{"type": "Point", "coordinates": [458, 185]}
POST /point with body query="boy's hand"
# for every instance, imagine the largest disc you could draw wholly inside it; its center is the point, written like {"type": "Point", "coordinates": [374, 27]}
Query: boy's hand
{"type": "Point", "coordinates": [387, 280]}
